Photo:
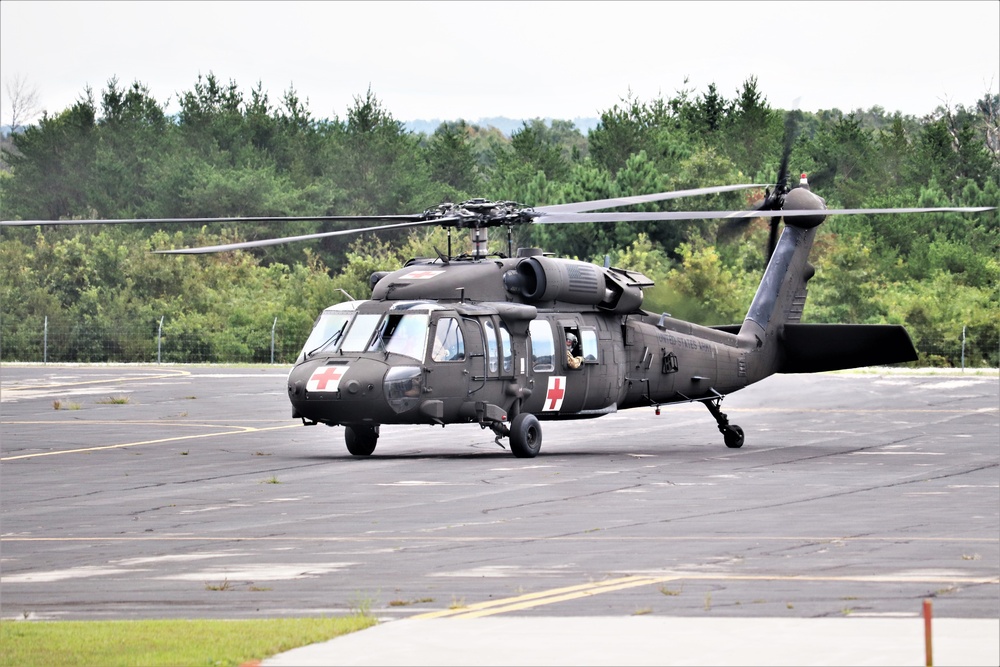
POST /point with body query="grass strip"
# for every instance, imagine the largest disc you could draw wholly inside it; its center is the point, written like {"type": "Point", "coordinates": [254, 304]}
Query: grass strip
{"type": "Point", "coordinates": [167, 643]}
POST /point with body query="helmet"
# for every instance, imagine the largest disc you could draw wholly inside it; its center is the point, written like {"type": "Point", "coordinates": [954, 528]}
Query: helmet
{"type": "Point", "coordinates": [570, 339]}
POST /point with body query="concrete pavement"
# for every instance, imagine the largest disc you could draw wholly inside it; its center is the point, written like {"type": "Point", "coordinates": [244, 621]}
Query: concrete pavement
{"type": "Point", "coordinates": [653, 640]}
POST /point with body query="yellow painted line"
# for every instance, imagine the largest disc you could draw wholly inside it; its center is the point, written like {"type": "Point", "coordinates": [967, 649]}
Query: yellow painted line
{"type": "Point", "coordinates": [609, 583]}
{"type": "Point", "coordinates": [159, 441]}
{"type": "Point", "coordinates": [127, 378]}
{"type": "Point", "coordinates": [518, 606]}
{"type": "Point", "coordinates": [557, 595]}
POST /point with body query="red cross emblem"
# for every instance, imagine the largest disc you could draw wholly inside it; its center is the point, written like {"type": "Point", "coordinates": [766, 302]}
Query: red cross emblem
{"type": "Point", "coordinates": [556, 393]}
{"type": "Point", "coordinates": [326, 378]}
{"type": "Point", "coordinates": [422, 275]}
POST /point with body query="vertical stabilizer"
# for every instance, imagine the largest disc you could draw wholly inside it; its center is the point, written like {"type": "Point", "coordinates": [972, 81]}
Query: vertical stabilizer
{"type": "Point", "coordinates": [772, 337]}
{"type": "Point", "coordinates": [781, 295]}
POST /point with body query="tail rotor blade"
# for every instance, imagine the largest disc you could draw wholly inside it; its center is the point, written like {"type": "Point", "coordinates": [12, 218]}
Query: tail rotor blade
{"type": "Point", "coordinates": [774, 198]}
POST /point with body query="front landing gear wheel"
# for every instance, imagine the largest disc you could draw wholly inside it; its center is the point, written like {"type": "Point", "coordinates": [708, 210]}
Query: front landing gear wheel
{"type": "Point", "coordinates": [361, 440]}
{"type": "Point", "coordinates": [733, 435]}
{"type": "Point", "coordinates": [525, 436]}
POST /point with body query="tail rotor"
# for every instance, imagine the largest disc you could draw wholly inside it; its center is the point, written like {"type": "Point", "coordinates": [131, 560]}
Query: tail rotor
{"type": "Point", "coordinates": [774, 198]}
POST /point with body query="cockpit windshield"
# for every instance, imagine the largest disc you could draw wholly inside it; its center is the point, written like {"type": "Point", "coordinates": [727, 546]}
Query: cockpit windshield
{"type": "Point", "coordinates": [403, 330]}
{"type": "Point", "coordinates": [392, 333]}
{"type": "Point", "coordinates": [328, 330]}
{"type": "Point", "coordinates": [403, 334]}
{"type": "Point", "coordinates": [360, 333]}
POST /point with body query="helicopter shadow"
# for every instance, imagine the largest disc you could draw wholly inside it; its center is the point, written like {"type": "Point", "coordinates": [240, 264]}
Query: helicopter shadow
{"type": "Point", "coordinates": [504, 454]}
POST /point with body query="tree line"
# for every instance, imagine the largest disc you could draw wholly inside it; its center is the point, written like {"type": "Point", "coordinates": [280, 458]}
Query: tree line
{"type": "Point", "coordinates": [229, 152]}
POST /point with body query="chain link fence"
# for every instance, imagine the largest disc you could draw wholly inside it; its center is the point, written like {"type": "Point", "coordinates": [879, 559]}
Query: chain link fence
{"type": "Point", "coordinates": [147, 343]}
{"type": "Point", "coordinates": [155, 343]}
{"type": "Point", "coordinates": [960, 351]}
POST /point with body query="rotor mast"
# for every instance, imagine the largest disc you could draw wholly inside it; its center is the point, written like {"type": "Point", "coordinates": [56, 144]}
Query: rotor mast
{"type": "Point", "coordinates": [478, 215]}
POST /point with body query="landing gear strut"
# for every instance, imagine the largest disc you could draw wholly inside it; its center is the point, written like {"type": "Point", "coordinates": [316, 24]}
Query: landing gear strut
{"type": "Point", "coordinates": [731, 433]}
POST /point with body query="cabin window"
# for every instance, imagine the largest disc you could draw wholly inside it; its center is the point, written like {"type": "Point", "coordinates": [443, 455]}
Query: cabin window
{"type": "Point", "coordinates": [588, 339]}
{"type": "Point", "coordinates": [449, 344]}
{"type": "Point", "coordinates": [542, 346]}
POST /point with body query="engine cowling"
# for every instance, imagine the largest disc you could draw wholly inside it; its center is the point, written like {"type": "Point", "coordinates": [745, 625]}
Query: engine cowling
{"type": "Point", "coordinates": [545, 279]}
{"type": "Point", "coordinates": [548, 279]}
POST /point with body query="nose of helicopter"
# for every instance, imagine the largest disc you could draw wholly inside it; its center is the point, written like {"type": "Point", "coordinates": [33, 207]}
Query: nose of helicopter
{"type": "Point", "coordinates": [355, 390]}
{"type": "Point", "coordinates": [341, 390]}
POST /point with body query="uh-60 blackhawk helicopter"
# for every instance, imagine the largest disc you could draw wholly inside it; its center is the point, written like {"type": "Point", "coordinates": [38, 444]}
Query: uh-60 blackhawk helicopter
{"type": "Point", "coordinates": [508, 340]}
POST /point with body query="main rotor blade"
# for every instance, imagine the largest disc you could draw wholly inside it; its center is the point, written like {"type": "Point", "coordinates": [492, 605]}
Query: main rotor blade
{"type": "Point", "coordinates": [628, 216]}
{"type": "Point", "coordinates": [642, 199]}
{"type": "Point", "coordinates": [204, 221]}
{"type": "Point", "coordinates": [305, 237]}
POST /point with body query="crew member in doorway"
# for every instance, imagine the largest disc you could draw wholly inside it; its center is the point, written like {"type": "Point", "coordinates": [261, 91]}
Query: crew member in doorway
{"type": "Point", "coordinates": [573, 358]}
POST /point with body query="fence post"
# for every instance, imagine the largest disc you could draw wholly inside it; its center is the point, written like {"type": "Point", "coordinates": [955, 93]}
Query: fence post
{"type": "Point", "coordinates": [45, 342]}
{"type": "Point", "coordinates": [159, 339]}
{"type": "Point", "coordinates": [963, 348]}
{"type": "Point", "coordinates": [273, 327]}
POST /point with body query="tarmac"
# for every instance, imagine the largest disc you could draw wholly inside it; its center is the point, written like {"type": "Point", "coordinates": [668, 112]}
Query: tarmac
{"type": "Point", "coordinates": [632, 540]}
{"type": "Point", "coordinates": [649, 640]}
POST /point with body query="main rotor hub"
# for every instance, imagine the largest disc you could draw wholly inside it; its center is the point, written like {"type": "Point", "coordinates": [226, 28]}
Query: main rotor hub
{"type": "Point", "coordinates": [479, 213]}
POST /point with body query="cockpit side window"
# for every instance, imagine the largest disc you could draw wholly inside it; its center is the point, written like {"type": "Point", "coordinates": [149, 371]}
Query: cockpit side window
{"type": "Point", "coordinates": [542, 346]}
{"type": "Point", "coordinates": [449, 344]}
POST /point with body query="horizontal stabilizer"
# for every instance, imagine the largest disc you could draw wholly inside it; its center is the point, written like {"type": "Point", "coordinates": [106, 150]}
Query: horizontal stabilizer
{"type": "Point", "coordinates": [814, 348]}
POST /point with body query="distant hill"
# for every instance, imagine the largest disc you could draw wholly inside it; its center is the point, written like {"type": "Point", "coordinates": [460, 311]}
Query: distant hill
{"type": "Point", "coordinates": [506, 125]}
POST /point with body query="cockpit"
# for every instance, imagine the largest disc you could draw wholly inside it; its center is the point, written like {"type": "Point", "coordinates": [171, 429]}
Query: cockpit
{"type": "Point", "coordinates": [352, 328]}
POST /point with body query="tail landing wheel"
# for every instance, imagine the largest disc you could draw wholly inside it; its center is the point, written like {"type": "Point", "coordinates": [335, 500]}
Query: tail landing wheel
{"type": "Point", "coordinates": [733, 436]}
{"type": "Point", "coordinates": [731, 433]}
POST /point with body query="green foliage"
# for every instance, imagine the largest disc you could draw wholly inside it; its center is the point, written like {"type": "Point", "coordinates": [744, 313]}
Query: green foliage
{"type": "Point", "coordinates": [937, 312]}
{"type": "Point", "coordinates": [231, 152]}
{"type": "Point", "coordinates": [846, 284]}
{"type": "Point", "coordinates": [452, 161]}
{"type": "Point", "coordinates": [164, 642]}
{"type": "Point", "coordinates": [368, 256]}
{"type": "Point", "coordinates": [624, 131]}
{"type": "Point", "coordinates": [703, 289]}
{"type": "Point", "coordinates": [376, 163]}
{"type": "Point", "coordinates": [50, 163]}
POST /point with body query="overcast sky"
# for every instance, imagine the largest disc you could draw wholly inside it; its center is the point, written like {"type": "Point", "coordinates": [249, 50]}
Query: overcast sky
{"type": "Point", "coordinates": [449, 60]}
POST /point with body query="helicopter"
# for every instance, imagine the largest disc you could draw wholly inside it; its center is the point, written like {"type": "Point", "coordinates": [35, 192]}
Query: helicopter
{"type": "Point", "coordinates": [509, 340]}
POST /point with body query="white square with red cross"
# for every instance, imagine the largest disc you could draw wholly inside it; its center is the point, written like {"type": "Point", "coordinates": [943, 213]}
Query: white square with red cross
{"type": "Point", "coordinates": [555, 394]}
{"type": "Point", "coordinates": [326, 378]}
{"type": "Point", "coordinates": [422, 275]}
